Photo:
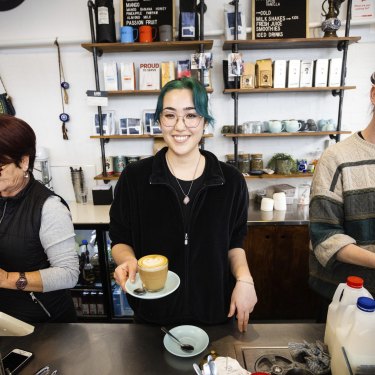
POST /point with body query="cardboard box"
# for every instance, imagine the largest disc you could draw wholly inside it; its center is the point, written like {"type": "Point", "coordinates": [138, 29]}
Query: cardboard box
{"type": "Point", "coordinates": [334, 75]}
{"type": "Point", "coordinates": [149, 76]}
{"type": "Point", "coordinates": [102, 194]}
{"type": "Point", "coordinates": [263, 71]}
{"type": "Point", "coordinates": [307, 67]}
{"type": "Point", "coordinates": [127, 76]}
{"type": "Point", "coordinates": [321, 73]}
{"type": "Point", "coordinates": [167, 72]}
{"type": "Point", "coordinates": [248, 76]}
{"type": "Point", "coordinates": [294, 70]}
{"type": "Point", "coordinates": [110, 76]}
{"type": "Point", "coordinates": [279, 74]}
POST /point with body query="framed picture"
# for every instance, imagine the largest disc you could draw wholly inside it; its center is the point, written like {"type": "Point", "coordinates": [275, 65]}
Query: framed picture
{"type": "Point", "coordinates": [148, 120]}
{"type": "Point", "coordinates": [130, 126]}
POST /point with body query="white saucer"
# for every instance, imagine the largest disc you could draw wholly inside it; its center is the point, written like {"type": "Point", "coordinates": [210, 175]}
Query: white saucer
{"type": "Point", "coordinates": [188, 335]}
{"type": "Point", "coordinates": [172, 283]}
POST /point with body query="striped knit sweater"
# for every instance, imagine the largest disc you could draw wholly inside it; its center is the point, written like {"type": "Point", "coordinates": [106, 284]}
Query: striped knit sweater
{"type": "Point", "coordinates": [342, 212]}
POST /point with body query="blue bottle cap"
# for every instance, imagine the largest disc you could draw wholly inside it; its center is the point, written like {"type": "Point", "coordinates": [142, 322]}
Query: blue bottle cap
{"type": "Point", "coordinates": [84, 242]}
{"type": "Point", "coordinates": [366, 304]}
{"type": "Point", "coordinates": [64, 117]}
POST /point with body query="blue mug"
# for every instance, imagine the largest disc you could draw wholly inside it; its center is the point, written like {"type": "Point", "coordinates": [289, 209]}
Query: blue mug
{"type": "Point", "coordinates": [128, 34]}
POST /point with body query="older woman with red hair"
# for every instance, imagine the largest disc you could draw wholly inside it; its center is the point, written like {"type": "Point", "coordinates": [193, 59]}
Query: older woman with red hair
{"type": "Point", "coordinates": [38, 261]}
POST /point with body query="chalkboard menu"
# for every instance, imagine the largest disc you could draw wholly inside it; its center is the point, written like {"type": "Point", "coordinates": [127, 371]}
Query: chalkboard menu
{"type": "Point", "coordinates": [147, 12]}
{"type": "Point", "coordinates": [280, 19]}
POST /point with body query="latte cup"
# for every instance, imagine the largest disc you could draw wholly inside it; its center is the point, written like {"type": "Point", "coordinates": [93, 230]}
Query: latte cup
{"type": "Point", "coordinates": [153, 271]}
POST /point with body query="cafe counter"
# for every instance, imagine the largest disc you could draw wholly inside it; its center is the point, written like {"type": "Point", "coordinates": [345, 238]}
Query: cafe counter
{"type": "Point", "coordinates": [294, 215]}
{"type": "Point", "coordinates": [92, 348]}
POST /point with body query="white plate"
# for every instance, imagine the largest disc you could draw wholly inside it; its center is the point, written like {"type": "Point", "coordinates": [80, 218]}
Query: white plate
{"type": "Point", "coordinates": [188, 335]}
{"type": "Point", "coordinates": [172, 283]}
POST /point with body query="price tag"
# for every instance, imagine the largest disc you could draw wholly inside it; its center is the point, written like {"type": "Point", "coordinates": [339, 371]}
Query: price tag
{"type": "Point", "coordinates": [97, 98]}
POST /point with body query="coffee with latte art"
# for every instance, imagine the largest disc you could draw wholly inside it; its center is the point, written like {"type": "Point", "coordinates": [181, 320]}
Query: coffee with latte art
{"type": "Point", "coordinates": [153, 270]}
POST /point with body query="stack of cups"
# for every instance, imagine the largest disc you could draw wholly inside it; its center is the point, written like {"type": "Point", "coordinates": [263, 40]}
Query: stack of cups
{"type": "Point", "coordinates": [79, 185]}
{"type": "Point", "coordinates": [280, 201]}
{"type": "Point", "coordinates": [266, 204]}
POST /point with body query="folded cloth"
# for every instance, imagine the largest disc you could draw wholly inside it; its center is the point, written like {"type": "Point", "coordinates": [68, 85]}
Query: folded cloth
{"type": "Point", "coordinates": [226, 366]}
{"type": "Point", "coordinates": [314, 355]}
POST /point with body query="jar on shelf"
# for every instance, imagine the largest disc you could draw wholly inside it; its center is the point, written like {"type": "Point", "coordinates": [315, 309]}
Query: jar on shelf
{"type": "Point", "coordinates": [230, 159]}
{"type": "Point", "coordinates": [256, 163]}
{"type": "Point", "coordinates": [244, 163]}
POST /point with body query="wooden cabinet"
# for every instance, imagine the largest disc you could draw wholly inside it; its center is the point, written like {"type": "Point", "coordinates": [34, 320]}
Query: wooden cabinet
{"type": "Point", "coordinates": [278, 257]}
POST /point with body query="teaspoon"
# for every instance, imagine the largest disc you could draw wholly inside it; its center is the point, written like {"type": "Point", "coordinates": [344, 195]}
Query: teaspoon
{"type": "Point", "coordinates": [140, 291]}
{"type": "Point", "coordinates": [185, 347]}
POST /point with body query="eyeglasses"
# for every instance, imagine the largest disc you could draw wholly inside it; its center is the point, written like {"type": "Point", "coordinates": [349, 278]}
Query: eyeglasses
{"type": "Point", "coordinates": [169, 119]}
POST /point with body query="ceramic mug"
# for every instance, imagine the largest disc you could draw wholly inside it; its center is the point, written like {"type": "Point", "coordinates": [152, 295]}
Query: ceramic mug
{"type": "Point", "coordinates": [322, 124]}
{"type": "Point", "coordinates": [128, 34]}
{"type": "Point", "coordinates": [311, 125]}
{"type": "Point", "coordinates": [165, 33]}
{"type": "Point", "coordinates": [303, 125]}
{"type": "Point", "coordinates": [147, 33]}
{"type": "Point", "coordinates": [292, 126]}
{"type": "Point", "coordinates": [275, 126]}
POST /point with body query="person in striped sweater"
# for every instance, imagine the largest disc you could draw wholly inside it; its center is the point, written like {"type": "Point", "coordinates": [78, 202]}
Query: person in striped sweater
{"type": "Point", "coordinates": [342, 212]}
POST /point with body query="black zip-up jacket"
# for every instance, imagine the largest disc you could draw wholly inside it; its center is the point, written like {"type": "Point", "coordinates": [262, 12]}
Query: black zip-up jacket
{"type": "Point", "coordinates": [21, 250]}
{"type": "Point", "coordinates": [146, 214]}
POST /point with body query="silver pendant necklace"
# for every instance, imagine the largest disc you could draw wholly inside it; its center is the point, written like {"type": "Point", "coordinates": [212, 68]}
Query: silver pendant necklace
{"type": "Point", "coordinates": [186, 199]}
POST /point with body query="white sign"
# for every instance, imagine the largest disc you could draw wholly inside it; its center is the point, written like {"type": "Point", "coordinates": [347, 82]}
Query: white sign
{"type": "Point", "coordinates": [363, 9]}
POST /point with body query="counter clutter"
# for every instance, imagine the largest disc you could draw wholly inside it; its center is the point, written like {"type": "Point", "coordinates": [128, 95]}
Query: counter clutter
{"type": "Point", "coordinates": [93, 348]}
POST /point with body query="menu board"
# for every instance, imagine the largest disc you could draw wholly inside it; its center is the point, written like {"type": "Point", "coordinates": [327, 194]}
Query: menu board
{"type": "Point", "coordinates": [147, 12]}
{"type": "Point", "coordinates": [280, 19]}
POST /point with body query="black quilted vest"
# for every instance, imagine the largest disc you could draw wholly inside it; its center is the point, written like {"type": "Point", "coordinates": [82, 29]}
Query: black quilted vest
{"type": "Point", "coordinates": [21, 250]}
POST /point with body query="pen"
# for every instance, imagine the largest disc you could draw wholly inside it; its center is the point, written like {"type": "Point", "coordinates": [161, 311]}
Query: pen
{"type": "Point", "coordinates": [40, 303]}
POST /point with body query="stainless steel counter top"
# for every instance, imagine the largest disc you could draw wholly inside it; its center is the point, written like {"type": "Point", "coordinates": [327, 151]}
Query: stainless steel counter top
{"type": "Point", "coordinates": [294, 215]}
{"type": "Point", "coordinates": [102, 348]}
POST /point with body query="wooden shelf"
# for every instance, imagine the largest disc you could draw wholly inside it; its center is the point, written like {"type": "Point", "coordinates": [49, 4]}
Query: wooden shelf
{"type": "Point", "coordinates": [148, 47]}
{"type": "Point", "coordinates": [288, 89]}
{"type": "Point", "coordinates": [286, 134]}
{"type": "Point", "coordinates": [112, 177]}
{"type": "Point", "coordinates": [141, 92]}
{"type": "Point", "coordinates": [265, 175]}
{"type": "Point", "coordinates": [138, 136]}
{"type": "Point", "coordinates": [291, 43]}
{"type": "Point", "coordinates": [293, 175]}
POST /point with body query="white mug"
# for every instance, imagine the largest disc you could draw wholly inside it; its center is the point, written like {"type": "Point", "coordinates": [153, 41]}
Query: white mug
{"type": "Point", "coordinates": [275, 126]}
{"type": "Point", "coordinates": [292, 126]}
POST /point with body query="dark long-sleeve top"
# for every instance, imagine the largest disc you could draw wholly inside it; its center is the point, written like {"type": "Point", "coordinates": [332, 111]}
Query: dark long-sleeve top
{"type": "Point", "coordinates": [147, 215]}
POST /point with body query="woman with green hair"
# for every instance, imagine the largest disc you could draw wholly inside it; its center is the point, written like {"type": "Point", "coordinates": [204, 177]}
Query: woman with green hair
{"type": "Point", "coordinates": [185, 204]}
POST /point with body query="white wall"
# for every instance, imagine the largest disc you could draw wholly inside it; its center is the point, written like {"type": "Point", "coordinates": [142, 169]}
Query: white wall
{"type": "Point", "coordinates": [29, 68]}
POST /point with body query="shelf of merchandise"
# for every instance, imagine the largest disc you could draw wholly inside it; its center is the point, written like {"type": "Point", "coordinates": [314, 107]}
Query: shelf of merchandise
{"type": "Point", "coordinates": [274, 175]}
{"type": "Point", "coordinates": [290, 43]}
{"type": "Point", "coordinates": [251, 45]}
{"type": "Point", "coordinates": [286, 134]}
{"type": "Point", "coordinates": [288, 89]}
{"type": "Point", "coordinates": [98, 49]}
{"type": "Point", "coordinates": [141, 92]}
{"type": "Point", "coordinates": [149, 47]}
{"type": "Point", "coordinates": [137, 136]}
